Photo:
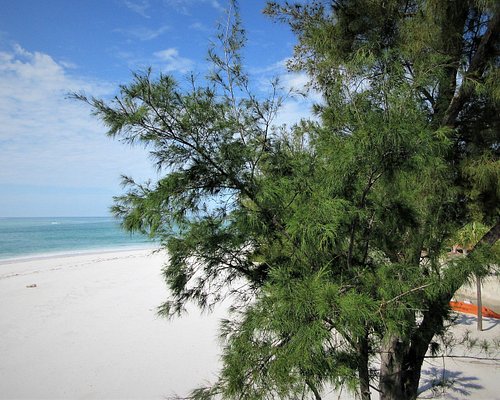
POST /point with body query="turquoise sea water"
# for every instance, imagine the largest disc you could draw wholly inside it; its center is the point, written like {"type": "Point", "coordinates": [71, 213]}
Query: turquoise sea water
{"type": "Point", "coordinates": [24, 237]}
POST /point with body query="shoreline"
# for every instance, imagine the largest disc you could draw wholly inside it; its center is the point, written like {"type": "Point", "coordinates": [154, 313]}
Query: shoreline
{"type": "Point", "coordinates": [26, 238]}
{"type": "Point", "coordinates": [75, 253]}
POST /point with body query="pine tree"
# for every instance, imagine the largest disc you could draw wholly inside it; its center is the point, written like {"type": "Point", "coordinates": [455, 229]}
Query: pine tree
{"type": "Point", "coordinates": [329, 237]}
{"type": "Point", "coordinates": [446, 56]}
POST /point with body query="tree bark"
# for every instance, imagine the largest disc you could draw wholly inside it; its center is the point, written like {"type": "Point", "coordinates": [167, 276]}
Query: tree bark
{"type": "Point", "coordinates": [401, 367]}
{"type": "Point", "coordinates": [391, 369]}
{"type": "Point", "coordinates": [490, 237]}
{"type": "Point", "coordinates": [454, 19]}
{"type": "Point", "coordinates": [363, 369]}
{"type": "Point", "coordinates": [401, 361]}
{"type": "Point", "coordinates": [475, 70]}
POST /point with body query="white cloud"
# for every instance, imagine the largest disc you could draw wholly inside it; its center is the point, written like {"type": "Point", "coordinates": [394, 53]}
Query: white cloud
{"type": "Point", "coordinates": [278, 67]}
{"type": "Point", "coordinates": [301, 97]}
{"type": "Point", "coordinates": [198, 26]}
{"type": "Point", "coordinates": [295, 82]}
{"type": "Point", "coordinates": [168, 61]}
{"type": "Point", "coordinates": [47, 139]}
{"type": "Point", "coordinates": [138, 6]}
{"type": "Point", "coordinates": [172, 61]}
{"type": "Point", "coordinates": [68, 64]}
{"type": "Point", "coordinates": [181, 6]}
{"type": "Point", "coordinates": [143, 33]}
{"type": "Point", "coordinates": [184, 6]}
{"type": "Point", "coordinates": [289, 80]}
{"type": "Point", "coordinates": [215, 4]}
{"type": "Point", "coordinates": [293, 110]}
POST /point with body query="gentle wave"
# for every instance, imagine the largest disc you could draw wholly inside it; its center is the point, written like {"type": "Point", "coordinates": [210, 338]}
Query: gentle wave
{"type": "Point", "coordinates": [20, 237]}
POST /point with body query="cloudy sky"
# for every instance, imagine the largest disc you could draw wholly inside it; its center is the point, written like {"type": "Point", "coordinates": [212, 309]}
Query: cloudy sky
{"type": "Point", "coordinates": [55, 159]}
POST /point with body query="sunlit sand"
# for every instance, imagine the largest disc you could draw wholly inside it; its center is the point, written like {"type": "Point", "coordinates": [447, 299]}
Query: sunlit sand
{"type": "Point", "coordinates": [85, 327]}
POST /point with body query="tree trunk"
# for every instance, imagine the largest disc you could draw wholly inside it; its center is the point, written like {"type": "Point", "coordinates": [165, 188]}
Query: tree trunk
{"type": "Point", "coordinates": [401, 361]}
{"type": "Point", "coordinates": [400, 369]}
{"type": "Point", "coordinates": [363, 369]}
{"type": "Point", "coordinates": [391, 369]}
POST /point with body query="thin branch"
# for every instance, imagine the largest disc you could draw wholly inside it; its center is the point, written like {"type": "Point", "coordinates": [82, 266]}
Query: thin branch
{"type": "Point", "coordinates": [404, 294]}
{"type": "Point", "coordinates": [314, 389]}
{"type": "Point", "coordinates": [375, 388]}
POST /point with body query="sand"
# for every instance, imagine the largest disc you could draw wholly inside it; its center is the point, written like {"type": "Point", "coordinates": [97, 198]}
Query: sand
{"type": "Point", "coordinates": [89, 330]}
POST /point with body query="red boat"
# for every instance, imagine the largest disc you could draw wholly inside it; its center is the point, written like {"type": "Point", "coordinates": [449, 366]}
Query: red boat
{"type": "Point", "coordinates": [469, 308]}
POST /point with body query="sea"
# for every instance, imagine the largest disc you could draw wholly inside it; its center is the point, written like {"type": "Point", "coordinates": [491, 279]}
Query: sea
{"type": "Point", "coordinates": [44, 236]}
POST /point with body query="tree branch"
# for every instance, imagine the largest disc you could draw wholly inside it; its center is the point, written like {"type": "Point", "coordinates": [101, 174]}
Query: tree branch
{"type": "Point", "coordinates": [314, 389]}
{"type": "Point", "coordinates": [476, 69]}
{"type": "Point", "coordinates": [404, 294]}
{"type": "Point", "coordinates": [490, 237]}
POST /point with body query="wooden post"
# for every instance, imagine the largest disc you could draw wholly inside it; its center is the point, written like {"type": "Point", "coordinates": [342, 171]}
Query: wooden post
{"type": "Point", "coordinates": [479, 305]}
{"type": "Point", "coordinates": [479, 301]}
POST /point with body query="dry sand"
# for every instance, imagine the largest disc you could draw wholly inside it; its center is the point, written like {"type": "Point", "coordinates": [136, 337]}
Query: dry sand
{"type": "Point", "coordinates": [89, 330]}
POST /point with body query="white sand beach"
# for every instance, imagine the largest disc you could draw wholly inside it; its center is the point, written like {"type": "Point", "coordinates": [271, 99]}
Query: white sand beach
{"type": "Point", "coordinates": [89, 330]}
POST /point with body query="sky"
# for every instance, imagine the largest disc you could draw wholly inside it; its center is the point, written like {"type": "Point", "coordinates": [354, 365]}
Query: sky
{"type": "Point", "coordinates": [55, 157]}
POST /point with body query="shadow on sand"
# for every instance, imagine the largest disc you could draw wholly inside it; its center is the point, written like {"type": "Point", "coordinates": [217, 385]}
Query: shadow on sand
{"type": "Point", "coordinates": [447, 384]}
{"type": "Point", "coordinates": [471, 320]}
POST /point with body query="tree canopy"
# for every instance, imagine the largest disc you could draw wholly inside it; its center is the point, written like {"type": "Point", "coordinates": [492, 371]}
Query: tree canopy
{"type": "Point", "coordinates": [330, 236]}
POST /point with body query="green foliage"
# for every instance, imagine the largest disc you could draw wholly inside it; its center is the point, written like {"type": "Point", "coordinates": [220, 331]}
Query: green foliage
{"type": "Point", "coordinates": [285, 338]}
{"type": "Point", "coordinates": [329, 237]}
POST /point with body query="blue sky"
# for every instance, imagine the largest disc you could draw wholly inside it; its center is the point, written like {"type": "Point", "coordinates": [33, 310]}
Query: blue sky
{"type": "Point", "coordinates": [55, 159]}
